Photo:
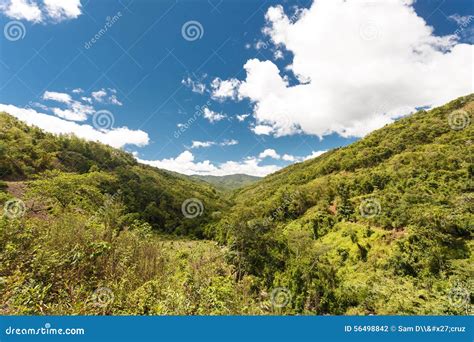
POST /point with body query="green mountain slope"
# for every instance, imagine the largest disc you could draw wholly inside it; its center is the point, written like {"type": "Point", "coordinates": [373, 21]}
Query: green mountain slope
{"type": "Point", "coordinates": [56, 166]}
{"type": "Point", "coordinates": [84, 229]}
{"type": "Point", "coordinates": [381, 226]}
{"type": "Point", "coordinates": [229, 182]}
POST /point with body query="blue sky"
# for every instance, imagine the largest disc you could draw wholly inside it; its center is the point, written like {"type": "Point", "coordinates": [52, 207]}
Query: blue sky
{"type": "Point", "coordinates": [221, 87]}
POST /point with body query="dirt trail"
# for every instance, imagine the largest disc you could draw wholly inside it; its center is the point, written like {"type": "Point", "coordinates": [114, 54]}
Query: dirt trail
{"type": "Point", "coordinates": [34, 209]}
{"type": "Point", "coordinates": [16, 189]}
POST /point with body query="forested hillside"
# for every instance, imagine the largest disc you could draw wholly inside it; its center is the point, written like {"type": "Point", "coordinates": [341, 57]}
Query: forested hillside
{"type": "Point", "coordinates": [383, 226]}
{"type": "Point", "coordinates": [56, 168]}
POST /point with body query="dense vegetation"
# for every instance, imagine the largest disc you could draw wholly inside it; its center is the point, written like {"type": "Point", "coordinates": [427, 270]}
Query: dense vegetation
{"type": "Point", "coordinates": [383, 226]}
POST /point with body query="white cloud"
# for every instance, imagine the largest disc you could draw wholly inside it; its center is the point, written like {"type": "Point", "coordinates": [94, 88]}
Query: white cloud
{"type": "Point", "coordinates": [185, 164]}
{"type": "Point", "coordinates": [242, 117]}
{"type": "Point", "coordinates": [278, 54]}
{"type": "Point", "coordinates": [78, 91]}
{"type": "Point", "coordinates": [36, 11]}
{"type": "Point", "coordinates": [359, 68]}
{"type": "Point", "coordinates": [230, 142]}
{"type": "Point", "coordinates": [199, 144]}
{"type": "Point", "coordinates": [99, 95]}
{"type": "Point", "coordinates": [39, 105]}
{"type": "Point", "coordinates": [104, 96]}
{"type": "Point", "coordinates": [114, 100]}
{"type": "Point", "coordinates": [58, 97]}
{"type": "Point", "coordinates": [269, 152]}
{"type": "Point", "coordinates": [21, 10]}
{"type": "Point", "coordinates": [288, 157]}
{"type": "Point", "coordinates": [262, 129]}
{"type": "Point", "coordinates": [117, 137]}
{"type": "Point", "coordinates": [196, 87]}
{"type": "Point", "coordinates": [75, 111]}
{"type": "Point", "coordinates": [60, 10]}
{"type": "Point", "coordinates": [213, 116]}
{"type": "Point", "coordinates": [224, 89]}
{"type": "Point", "coordinates": [314, 154]}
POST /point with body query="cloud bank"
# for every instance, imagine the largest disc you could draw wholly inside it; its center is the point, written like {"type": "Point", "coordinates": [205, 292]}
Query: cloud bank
{"type": "Point", "coordinates": [41, 11]}
{"type": "Point", "coordinates": [115, 137]}
{"type": "Point", "coordinates": [358, 64]}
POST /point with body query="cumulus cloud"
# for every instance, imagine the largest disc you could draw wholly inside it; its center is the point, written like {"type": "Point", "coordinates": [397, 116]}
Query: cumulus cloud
{"type": "Point", "coordinates": [242, 117]}
{"type": "Point", "coordinates": [269, 152]}
{"type": "Point", "coordinates": [58, 97]}
{"type": "Point", "coordinates": [358, 68]}
{"type": "Point", "coordinates": [213, 116]}
{"type": "Point", "coordinates": [196, 87]}
{"type": "Point", "coordinates": [185, 164]}
{"type": "Point", "coordinates": [99, 95]}
{"type": "Point", "coordinates": [262, 129]}
{"type": "Point", "coordinates": [21, 10]}
{"type": "Point", "coordinates": [79, 110]}
{"type": "Point", "coordinates": [117, 137]}
{"type": "Point", "coordinates": [75, 111]}
{"type": "Point", "coordinates": [289, 157]}
{"type": "Point", "coordinates": [46, 10]}
{"type": "Point", "coordinates": [224, 89]}
{"type": "Point", "coordinates": [314, 154]}
{"type": "Point", "coordinates": [60, 10]}
{"type": "Point", "coordinates": [108, 96]}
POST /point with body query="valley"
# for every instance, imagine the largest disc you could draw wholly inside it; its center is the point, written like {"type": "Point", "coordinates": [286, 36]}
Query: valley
{"type": "Point", "coordinates": [383, 226]}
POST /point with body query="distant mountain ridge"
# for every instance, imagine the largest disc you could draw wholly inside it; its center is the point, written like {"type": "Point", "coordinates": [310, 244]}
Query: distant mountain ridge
{"type": "Point", "coordinates": [229, 182]}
